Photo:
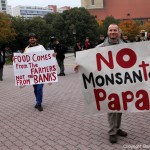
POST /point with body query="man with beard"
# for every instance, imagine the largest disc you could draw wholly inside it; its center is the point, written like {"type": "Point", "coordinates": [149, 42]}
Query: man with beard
{"type": "Point", "coordinates": [38, 88]}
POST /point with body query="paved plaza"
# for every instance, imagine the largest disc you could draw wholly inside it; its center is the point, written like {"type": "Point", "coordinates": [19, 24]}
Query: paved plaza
{"type": "Point", "coordinates": [63, 125]}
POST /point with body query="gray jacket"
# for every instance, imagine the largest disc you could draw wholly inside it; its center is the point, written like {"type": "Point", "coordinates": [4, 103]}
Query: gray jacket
{"type": "Point", "coordinates": [107, 43]}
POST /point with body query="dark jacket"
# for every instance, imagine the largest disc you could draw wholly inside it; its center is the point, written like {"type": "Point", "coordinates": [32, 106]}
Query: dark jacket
{"type": "Point", "coordinates": [88, 46]}
{"type": "Point", "coordinates": [57, 49]}
{"type": "Point", "coordinates": [2, 58]}
{"type": "Point", "coordinates": [77, 48]}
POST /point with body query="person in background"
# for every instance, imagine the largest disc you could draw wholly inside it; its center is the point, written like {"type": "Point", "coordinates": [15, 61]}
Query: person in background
{"type": "Point", "coordinates": [77, 47]}
{"type": "Point", "coordinates": [88, 44]}
{"type": "Point", "coordinates": [143, 36]}
{"type": "Point", "coordinates": [101, 39]}
{"type": "Point", "coordinates": [137, 38]}
{"type": "Point", "coordinates": [148, 36]}
{"type": "Point", "coordinates": [60, 55]}
{"type": "Point", "coordinates": [2, 61]}
{"type": "Point", "coordinates": [38, 88]}
{"type": "Point", "coordinates": [125, 38]}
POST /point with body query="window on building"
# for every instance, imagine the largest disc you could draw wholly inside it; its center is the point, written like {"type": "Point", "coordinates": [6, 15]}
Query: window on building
{"type": "Point", "coordinates": [92, 2]}
{"type": "Point", "coordinates": [3, 5]}
{"type": "Point", "coordinates": [128, 14]}
{"type": "Point", "coordinates": [3, 2]}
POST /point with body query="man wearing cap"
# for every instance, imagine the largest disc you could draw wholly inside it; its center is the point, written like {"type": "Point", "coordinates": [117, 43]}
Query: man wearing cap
{"type": "Point", "coordinates": [38, 88]}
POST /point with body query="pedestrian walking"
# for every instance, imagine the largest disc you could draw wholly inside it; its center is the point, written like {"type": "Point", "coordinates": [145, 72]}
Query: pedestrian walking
{"type": "Point", "coordinates": [38, 88]}
{"type": "Point", "coordinates": [59, 50]}
{"type": "Point", "coordinates": [77, 47]}
{"type": "Point", "coordinates": [2, 61]}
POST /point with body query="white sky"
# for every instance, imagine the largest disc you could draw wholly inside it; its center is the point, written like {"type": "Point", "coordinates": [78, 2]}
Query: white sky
{"type": "Point", "coordinates": [43, 3]}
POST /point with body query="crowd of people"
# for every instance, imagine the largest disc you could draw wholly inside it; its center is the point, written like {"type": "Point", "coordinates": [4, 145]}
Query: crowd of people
{"type": "Point", "coordinates": [88, 44]}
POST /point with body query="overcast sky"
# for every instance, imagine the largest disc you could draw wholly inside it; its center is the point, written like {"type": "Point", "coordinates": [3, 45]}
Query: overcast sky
{"type": "Point", "coordinates": [43, 3]}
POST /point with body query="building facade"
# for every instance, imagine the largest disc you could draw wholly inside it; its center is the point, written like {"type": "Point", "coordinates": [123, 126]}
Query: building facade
{"type": "Point", "coordinates": [3, 6]}
{"type": "Point", "coordinates": [54, 7]}
{"type": "Point", "coordinates": [119, 9]}
{"type": "Point", "coordinates": [31, 11]}
{"type": "Point", "coordinates": [61, 9]}
{"type": "Point", "coordinates": [9, 10]}
{"type": "Point", "coordinates": [92, 4]}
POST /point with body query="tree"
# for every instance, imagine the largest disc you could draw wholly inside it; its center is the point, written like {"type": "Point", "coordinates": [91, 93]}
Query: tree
{"type": "Point", "coordinates": [50, 17]}
{"type": "Point", "coordinates": [7, 34]}
{"type": "Point", "coordinates": [23, 27]}
{"type": "Point", "coordinates": [100, 22]}
{"type": "Point", "coordinates": [57, 26]}
{"type": "Point", "coordinates": [80, 22]}
{"type": "Point", "coordinates": [19, 24]}
{"type": "Point", "coordinates": [39, 26]}
{"type": "Point", "coordinates": [147, 26]}
{"type": "Point", "coordinates": [130, 28]}
{"type": "Point", "coordinates": [73, 24]}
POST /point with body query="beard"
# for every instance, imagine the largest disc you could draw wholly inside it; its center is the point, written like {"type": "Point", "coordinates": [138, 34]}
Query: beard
{"type": "Point", "coordinates": [33, 42]}
{"type": "Point", "coordinates": [113, 37]}
{"type": "Point", "coordinates": [113, 40]}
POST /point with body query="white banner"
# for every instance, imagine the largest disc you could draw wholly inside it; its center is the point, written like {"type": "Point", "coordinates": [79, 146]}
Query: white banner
{"type": "Point", "coordinates": [116, 78]}
{"type": "Point", "coordinates": [34, 68]}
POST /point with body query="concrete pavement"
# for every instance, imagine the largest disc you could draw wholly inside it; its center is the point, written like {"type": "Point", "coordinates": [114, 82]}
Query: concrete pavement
{"type": "Point", "coordinates": [62, 125]}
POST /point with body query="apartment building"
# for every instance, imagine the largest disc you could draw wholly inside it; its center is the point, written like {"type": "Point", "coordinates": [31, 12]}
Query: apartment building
{"type": "Point", "coordinates": [9, 10]}
{"type": "Point", "coordinates": [61, 9]}
{"type": "Point", "coordinates": [120, 9]}
{"type": "Point", "coordinates": [3, 6]}
{"type": "Point", "coordinates": [31, 11]}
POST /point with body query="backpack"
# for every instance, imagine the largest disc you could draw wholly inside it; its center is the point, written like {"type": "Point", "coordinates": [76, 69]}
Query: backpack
{"type": "Point", "coordinates": [63, 48]}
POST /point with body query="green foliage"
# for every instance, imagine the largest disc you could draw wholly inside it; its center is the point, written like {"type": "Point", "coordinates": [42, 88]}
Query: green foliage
{"type": "Point", "coordinates": [50, 17]}
{"type": "Point", "coordinates": [23, 27]}
{"type": "Point", "coordinates": [58, 27]}
{"type": "Point", "coordinates": [129, 28]}
{"type": "Point", "coordinates": [9, 61]}
{"type": "Point", "coordinates": [74, 24]}
{"type": "Point", "coordinates": [69, 26]}
{"type": "Point", "coordinates": [20, 26]}
{"type": "Point", "coordinates": [108, 20]}
{"type": "Point", "coordinates": [80, 21]}
{"type": "Point", "coordinates": [39, 26]}
{"type": "Point", "coordinates": [7, 34]}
